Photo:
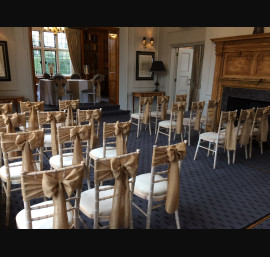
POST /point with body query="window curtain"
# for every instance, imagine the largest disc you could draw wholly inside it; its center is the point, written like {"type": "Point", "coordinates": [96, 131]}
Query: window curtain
{"type": "Point", "coordinates": [195, 84]}
{"type": "Point", "coordinates": [74, 47]}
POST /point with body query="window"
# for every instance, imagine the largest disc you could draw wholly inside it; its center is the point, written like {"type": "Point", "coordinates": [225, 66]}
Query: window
{"type": "Point", "coordinates": [50, 48]}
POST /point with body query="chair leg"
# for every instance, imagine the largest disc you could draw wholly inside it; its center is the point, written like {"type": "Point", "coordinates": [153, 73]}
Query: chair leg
{"type": "Point", "coordinates": [209, 147]}
{"type": "Point", "coordinates": [189, 135]}
{"type": "Point", "coordinates": [234, 156]}
{"type": "Point", "coordinates": [177, 219]}
{"type": "Point", "coordinates": [157, 134]}
{"type": "Point", "coordinates": [138, 127]}
{"type": "Point", "coordinates": [149, 126]}
{"type": "Point", "coordinates": [197, 148]}
{"type": "Point", "coordinates": [148, 216]}
{"type": "Point", "coordinates": [215, 158]}
{"type": "Point", "coordinates": [8, 192]}
{"type": "Point", "coordinates": [228, 156]}
{"type": "Point", "coordinates": [250, 147]}
{"type": "Point", "coordinates": [246, 153]}
{"type": "Point", "coordinates": [261, 144]}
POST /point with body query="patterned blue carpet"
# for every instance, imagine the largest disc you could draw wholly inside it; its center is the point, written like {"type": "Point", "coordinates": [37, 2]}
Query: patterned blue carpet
{"type": "Point", "coordinates": [232, 196]}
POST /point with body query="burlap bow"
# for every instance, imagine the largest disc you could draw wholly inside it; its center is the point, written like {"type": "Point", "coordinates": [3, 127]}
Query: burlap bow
{"type": "Point", "coordinates": [60, 89]}
{"type": "Point", "coordinates": [91, 116]}
{"type": "Point", "coordinates": [164, 100]}
{"type": "Point", "coordinates": [33, 119]}
{"type": "Point", "coordinates": [199, 108]}
{"type": "Point", "coordinates": [121, 199]}
{"type": "Point", "coordinates": [78, 134]}
{"type": "Point", "coordinates": [11, 122]}
{"type": "Point", "coordinates": [53, 119]}
{"type": "Point", "coordinates": [147, 102]}
{"type": "Point", "coordinates": [4, 109]}
{"type": "Point", "coordinates": [175, 153]}
{"type": "Point", "coordinates": [121, 130]}
{"type": "Point", "coordinates": [230, 134]}
{"type": "Point", "coordinates": [246, 129]}
{"type": "Point", "coordinates": [69, 105]}
{"type": "Point", "coordinates": [263, 129]}
{"type": "Point", "coordinates": [26, 145]}
{"type": "Point", "coordinates": [214, 122]}
{"type": "Point", "coordinates": [179, 107]}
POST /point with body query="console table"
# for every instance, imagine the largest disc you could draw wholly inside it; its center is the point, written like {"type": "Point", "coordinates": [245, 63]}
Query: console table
{"type": "Point", "coordinates": [145, 94]}
{"type": "Point", "coordinates": [14, 99]}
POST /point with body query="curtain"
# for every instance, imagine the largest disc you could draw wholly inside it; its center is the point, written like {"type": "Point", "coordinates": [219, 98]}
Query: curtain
{"type": "Point", "coordinates": [74, 47]}
{"type": "Point", "coordinates": [195, 84]}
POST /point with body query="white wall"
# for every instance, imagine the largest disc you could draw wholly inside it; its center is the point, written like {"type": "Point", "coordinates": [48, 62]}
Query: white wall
{"type": "Point", "coordinates": [21, 83]}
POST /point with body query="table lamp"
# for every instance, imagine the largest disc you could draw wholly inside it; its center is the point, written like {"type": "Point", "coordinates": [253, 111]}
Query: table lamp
{"type": "Point", "coordinates": [157, 66]}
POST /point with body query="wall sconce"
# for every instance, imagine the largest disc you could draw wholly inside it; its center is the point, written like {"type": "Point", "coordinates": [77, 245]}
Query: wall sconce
{"type": "Point", "coordinates": [145, 44]}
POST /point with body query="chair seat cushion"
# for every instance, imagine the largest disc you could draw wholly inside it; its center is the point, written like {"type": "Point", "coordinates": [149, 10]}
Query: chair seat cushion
{"type": "Point", "coordinates": [135, 115]}
{"type": "Point", "coordinates": [87, 202]}
{"type": "Point", "coordinates": [166, 123]}
{"type": "Point", "coordinates": [43, 223]}
{"type": "Point", "coordinates": [212, 136]}
{"type": "Point", "coordinates": [15, 172]}
{"type": "Point", "coordinates": [98, 152]}
{"type": "Point", "coordinates": [47, 140]}
{"type": "Point", "coordinates": [55, 160]}
{"type": "Point", "coordinates": [142, 185]}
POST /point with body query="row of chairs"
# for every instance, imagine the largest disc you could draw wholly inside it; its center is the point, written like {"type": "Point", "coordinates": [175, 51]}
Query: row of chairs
{"type": "Point", "coordinates": [62, 132]}
{"type": "Point", "coordinates": [233, 130]}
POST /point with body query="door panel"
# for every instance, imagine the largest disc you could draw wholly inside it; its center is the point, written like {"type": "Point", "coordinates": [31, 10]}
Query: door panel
{"type": "Point", "coordinates": [184, 68]}
{"type": "Point", "coordinates": [113, 64]}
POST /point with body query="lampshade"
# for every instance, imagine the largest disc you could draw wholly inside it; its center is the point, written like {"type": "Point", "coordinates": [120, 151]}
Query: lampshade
{"type": "Point", "coordinates": [157, 66]}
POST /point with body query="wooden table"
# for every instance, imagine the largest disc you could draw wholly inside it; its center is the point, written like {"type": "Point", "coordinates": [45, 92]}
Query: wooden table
{"type": "Point", "coordinates": [14, 99]}
{"type": "Point", "coordinates": [145, 94]}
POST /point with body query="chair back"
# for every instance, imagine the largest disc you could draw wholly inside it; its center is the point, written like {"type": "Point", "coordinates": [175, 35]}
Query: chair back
{"type": "Point", "coordinates": [211, 124]}
{"type": "Point", "coordinates": [70, 143]}
{"type": "Point", "coordinates": [6, 108]}
{"type": "Point", "coordinates": [177, 115]}
{"type": "Point", "coordinates": [65, 198]}
{"type": "Point", "coordinates": [75, 76]}
{"type": "Point", "coordinates": [28, 147]}
{"type": "Point", "coordinates": [196, 113]}
{"type": "Point", "coordinates": [60, 82]}
{"type": "Point", "coordinates": [162, 106]}
{"type": "Point", "coordinates": [181, 98]}
{"type": "Point", "coordinates": [244, 125]}
{"type": "Point", "coordinates": [145, 107]}
{"type": "Point", "coordinates": [121, 172]}
{"type": "Point", "coordinates": [166, 162]}
{"type": "Point", "coordinates": [69, 106]}
{"type": "Point", "coordinates": [260, 123]}
{"type": "Point", "coordinates": [49, 121]}
{"type": "Point", "coordinates": [227, 124]}
{"type": "Point", "coordinates": [115, 136]}
{"type": "Point", "coordinates": [31, 109]}
{"type": "Point", "coordinates": [13, 121]}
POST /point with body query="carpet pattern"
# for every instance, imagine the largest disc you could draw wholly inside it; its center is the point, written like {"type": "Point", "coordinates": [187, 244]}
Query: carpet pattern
{"type": "Point", "coordinates": [230, 197]}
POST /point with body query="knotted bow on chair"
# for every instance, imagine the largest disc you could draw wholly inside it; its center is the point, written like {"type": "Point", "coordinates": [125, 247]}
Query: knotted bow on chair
{"type": "Point", "coordinates": [147, 102]}
{"type": "Point", "coordinates": [246, 129]}
{"type": "Point", "coordinates": [33, 119]}
{"type": "Point", "coordinates": [230, 135]}
{"type": "Point", "coordinates": [11, 122]}
{"type": "Point", "coordinates": [91, 116]}
{"type": "Point", "coordinates": [120, 169]}
{"type": "Point", "coordinates": [4, 109]}
{"type": "Point", "coordinates": [53, 119]}
{"type": "Point", "coordinates": [54, 186]}
{"type": "Point", "coordinates": [60, 88]}
{"type": "Point", "coordinates": [175, 153]}
{"type": "Point", "coordinates": [164, 100]}
{"type": "Point", "coordinates": [214, 121]}
{"type": "Point", "coordinates": [26, 145]}
{"type": "Point", "coordinates": [199, 107]}
{"type": "Point", "coordinates": [69, 105]}
{"type": "Point", "coordinates": [77, 135]}
{"type": "Point", "coordinates": [263, 129]}
{"type": "Point", "coordinates": [121, 130]}
{"type": "Point", "coordinates": [179, 107]}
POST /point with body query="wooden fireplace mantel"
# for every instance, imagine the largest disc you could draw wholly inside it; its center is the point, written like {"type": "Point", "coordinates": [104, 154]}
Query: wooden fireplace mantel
{"type": "Point", "coordinates": [242, 62]}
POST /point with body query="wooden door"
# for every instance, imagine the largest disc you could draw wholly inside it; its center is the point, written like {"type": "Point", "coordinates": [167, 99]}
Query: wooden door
{"type": "Point", "coordinates": [113, 68]}
{"type": "Point", "coordinates": [184, 68]}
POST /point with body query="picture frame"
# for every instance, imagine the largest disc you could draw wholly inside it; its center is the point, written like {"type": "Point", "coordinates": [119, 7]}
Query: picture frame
{"type": "Point", "coordinates": [4, 62]}
{"type": "Point", "coordinates": [143, 64]}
